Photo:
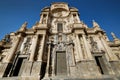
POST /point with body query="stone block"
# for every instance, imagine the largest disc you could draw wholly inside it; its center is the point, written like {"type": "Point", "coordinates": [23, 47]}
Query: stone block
{"type": "Point", "coordinates": [4, 67]}
{"type": "Point", "coordinates": [36, 68]}
{"type": "Point", "coordinates": [27, 69]}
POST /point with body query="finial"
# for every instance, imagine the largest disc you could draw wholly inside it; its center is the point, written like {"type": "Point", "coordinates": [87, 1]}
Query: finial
{"type": "Point", "coordinates": [23, 27]}
{"type": "Point", "coordinates": [36, 23]}
{"type": "Point", "coordinates": [82, 22]}
{"type": "Point", "coordinates": [93, 20]}
{"type": "Point", "coordinates": [85, 26]}
{"type": "Point", "coordinates": [95, 24]}
{"type": "Point", "coordinates": [24, 24]}
{"type": "Point", "coordinates": [113, 35]}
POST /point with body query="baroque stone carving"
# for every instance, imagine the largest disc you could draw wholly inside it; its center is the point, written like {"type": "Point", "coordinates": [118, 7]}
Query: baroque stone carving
{"type": "Point", "coordinates": [27, 46]}
{"type": "Point", "coordinates": [23, 27]}
{"type": "Point", "coordinates": [48, 52]}
{"type": "Point", "coordinates": [7, 38]}
{"type": "Point", "coordinates": [93, 45]}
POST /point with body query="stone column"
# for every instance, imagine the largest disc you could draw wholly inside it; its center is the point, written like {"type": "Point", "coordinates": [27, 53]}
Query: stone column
{"type": "Point", "coordinates": [111, 57]}
{"type": "Point", "coordinates": [41, 18]}
{"type": "Point", "coordinates": [33, 48]}
{"type": "Point", "coordinates": [47, 18]}
{"type": "Point", "coordinates": [48, 61]}
{"type": "Point", "coordinates": [53, 60]}
{"type": "Point", "coordinates": [79, 47]}
{"type": "Point", "coordinates": [42, 48]}
{"type": "Point", "coordinates": [73, 56]}
{"type": "Point", "coordinates": [89, 55]}
{"type": "Point", "coordinates": [12, 51]}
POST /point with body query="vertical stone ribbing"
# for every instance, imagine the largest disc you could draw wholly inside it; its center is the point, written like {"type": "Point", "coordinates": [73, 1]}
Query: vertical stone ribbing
{"type": "Point", "coordinates": [41, 49]}
{"type": "Point", "coordinates": [79, 47]}
{"type": "Point", "coordinates": [33, 48]}
{"type": "Point", "coordinates": [12, 51]}
{"type": "Point", "coordinates": [48, 61]}
{"type": "Point", "coordinates": [89, 55]}
{"type": "Point", "coordinates": [111, 56]}
{"type": "Point", "coordinates": [22, 46]}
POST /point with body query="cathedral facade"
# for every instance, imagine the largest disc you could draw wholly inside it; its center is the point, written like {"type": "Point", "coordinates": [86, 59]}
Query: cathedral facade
{"type": "Point", "coordinates": [59, 47]}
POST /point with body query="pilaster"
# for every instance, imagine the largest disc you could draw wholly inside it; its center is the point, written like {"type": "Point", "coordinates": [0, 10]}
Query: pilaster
{"type": "Point", "coordinates": [48, 61]}
{"type": "Point", "coordinates": [111, 56]}
{"type": "Point", "coordinates": [33, 47]}
{"type": "Point", "coordinates": [79, 48]}
{"type": "Point", "coordinates": [89, 55]}
{"type": "Point", "coordinates": [12, 51]}
{"type": "Point", "coordinates": [42, 48]}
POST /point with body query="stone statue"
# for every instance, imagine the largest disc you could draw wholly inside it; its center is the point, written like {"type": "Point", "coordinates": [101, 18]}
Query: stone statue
{"type": "Point", "coordinates": [7, 38]}
{"type": "Point", "coordinates": [113, 35]}
{"type": "Point", "coordinates": [44, 19]}
{"type": "Point", "coordinates": [75, 19]}
{"type": "Point", "coordinates": [93, 44]}
{"type": "Point", "coordinates": [27, 46]}
{"type": "Point", "coordinates": [23, 27]}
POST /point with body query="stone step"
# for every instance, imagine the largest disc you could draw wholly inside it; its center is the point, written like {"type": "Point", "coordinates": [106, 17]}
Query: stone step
{"type": "Point", "coordinates": [106, 77]}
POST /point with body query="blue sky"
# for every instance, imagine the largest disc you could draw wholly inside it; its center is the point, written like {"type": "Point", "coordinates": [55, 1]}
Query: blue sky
{"type": "Point", "coordinates": [13, 13]}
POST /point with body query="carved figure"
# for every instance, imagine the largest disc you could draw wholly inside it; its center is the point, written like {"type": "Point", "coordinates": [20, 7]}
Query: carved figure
{"type": "Point", "coordinates": [93, 44]}
{"type": "Point", "coordinates": [7, 38]}
{"type": "Point", "coordinates": [23, 27]}
{"type": "Point", "coordinates": [27, 46]}
{"type": "Point", "coordinates": [44, 19]}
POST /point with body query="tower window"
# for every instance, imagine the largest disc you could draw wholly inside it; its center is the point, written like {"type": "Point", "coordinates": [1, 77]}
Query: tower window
{"type": "Point", "coordinates": [60, 27]}
{"type": "Point", "coordinates": [74, 15]}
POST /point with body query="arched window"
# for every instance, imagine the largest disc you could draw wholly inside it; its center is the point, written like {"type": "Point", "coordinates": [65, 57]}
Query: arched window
{"type": "Point", "coordinates": [60, 27]}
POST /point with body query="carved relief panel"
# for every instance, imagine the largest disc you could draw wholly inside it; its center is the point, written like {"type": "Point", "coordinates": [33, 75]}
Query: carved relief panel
{"type": "Point", "coordinates": [44, 19]}
{"type": "Point", "coordinates": [25, 46]}
{"type": "Point", "coordinates": [3, 54]}
{"type": "Point", "coordinates": [6, 45]}
{"type": "Point", "coordinates": [66, 27]}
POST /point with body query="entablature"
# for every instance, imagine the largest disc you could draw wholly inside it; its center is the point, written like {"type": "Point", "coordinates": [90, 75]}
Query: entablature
{"type": "Point", "coordinates": [113, 44]}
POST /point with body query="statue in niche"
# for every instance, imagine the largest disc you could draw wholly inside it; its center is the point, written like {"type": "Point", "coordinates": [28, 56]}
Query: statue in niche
{"type": "Point", "coordinates": [70, 38]}
{"type": "Point", "coordinates": [3, 53]}
{"type": "Point", "coordinates": [44, 19]}
{"type": "Point", "coordinates": [7, 38]}
{"type": "Point", "coordinates": [93, 44]}
{"type": "Point", "coordinates": [60, 46]}
{"type": "Point", "coordinates": [59, 39]}
{"type": "Point", "coordinates": [75, 18]}
{"type": "Point", "coordinates": [69, 26]}
{"type": "Point", "coordinates": [27, 46]}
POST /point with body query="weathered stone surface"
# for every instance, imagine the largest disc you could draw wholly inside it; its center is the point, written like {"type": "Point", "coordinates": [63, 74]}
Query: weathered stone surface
{"type": "Point", "coordinates": [27, 69]}
{"type": "Point", "coordinates": [60, 47]}
{"type": "Point", "coordinates": [36, 68]}
{"type": "Point", "coordinates": [3, 67]}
